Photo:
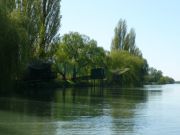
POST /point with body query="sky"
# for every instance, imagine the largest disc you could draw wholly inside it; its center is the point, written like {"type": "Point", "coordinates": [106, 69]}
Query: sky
{"type": "Point", "coordinates": [156, 22]}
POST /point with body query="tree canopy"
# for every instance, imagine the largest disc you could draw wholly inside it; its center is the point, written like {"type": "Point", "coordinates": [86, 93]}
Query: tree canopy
{"type": "Point", "coordinates": [123, 40]}
{"type": "Point", "coordinates": [30, 31]}
{"type": "Point", "coordinates": [78, 54]}
{"type": "Point", "coordinates": [9, 49]}
{"type": "Point", "coordinates": [155, 76]}
{"type": "Point", "coordinates": [41, 19]}
{"type": "Point", "coordinates": [127, 69]}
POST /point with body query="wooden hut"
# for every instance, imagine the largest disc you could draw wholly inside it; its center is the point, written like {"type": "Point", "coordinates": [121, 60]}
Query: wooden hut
{"type": "Point", "coordinates": [39, 71]}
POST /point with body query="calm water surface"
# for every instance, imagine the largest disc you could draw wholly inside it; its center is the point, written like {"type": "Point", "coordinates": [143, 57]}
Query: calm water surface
{"type": "Point", "coordinates": [152, 110]}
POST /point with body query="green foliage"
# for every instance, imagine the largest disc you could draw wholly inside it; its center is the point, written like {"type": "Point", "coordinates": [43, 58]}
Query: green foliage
{"type": "Point", "coordinates": [156, 77]}
{"type": "Point", "coordinates": [77, 54]}
{"type": "Point", "coordinates": [49, 25]}
{"type": "Point", "coordinates": [28, 30]}
{"type": "Point", "coordinates": [127, 69]}
{"type": "Point", "coordinates": [120, 33]}
{"type": "Point", "coordinates": [19, 22]}
{"type": "Point", "coordinates": [9, 50]}
{"type": "Point", "coordinates": [27, 17]}
{"type": "Point", "coordinates": [41, 19]}
{"type": "Point", "coordinates": [123, 40]}
{"type": "Point", "coordinates": [166, 80]}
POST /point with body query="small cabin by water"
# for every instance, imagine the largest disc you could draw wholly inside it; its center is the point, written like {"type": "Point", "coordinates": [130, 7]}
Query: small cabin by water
{"type": "Point", "coordinates": [97, 73]}
{"type": "Point", "coordinates": [39, 71]}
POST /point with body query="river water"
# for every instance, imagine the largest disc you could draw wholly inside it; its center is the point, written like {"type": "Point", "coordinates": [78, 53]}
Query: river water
{"type": "Point", "coordinates": [152, 110]}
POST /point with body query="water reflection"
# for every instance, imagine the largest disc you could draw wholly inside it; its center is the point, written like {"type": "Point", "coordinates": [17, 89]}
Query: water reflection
{"type": "Point", "coordinates": [86, 111]}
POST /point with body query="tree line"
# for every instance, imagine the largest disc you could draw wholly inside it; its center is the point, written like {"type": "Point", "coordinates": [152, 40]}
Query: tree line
{"type": "Point", "coordinates": [156, 77]}
{"type": "Point", "coordinates": [29, 30]}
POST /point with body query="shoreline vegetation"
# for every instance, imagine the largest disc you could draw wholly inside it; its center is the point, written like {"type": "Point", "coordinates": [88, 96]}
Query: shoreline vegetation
{"type": "Point", "coordinates": [30, 34]}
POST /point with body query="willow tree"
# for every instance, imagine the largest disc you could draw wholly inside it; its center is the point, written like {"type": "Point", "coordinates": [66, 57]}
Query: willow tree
{"type": "Point", "coordinates": [49, 25]}
{"type": "Point", "coordinates": [124, 40]}
{"type": "Point", "coordinates": [120, 33]}
{"type": "Point", "coordinates": [7, 5]}
{"type": "Point", "coordinates": [9, 49]}
{"type": "Point", "coordinates": [125, 52]}
{"type": "Point", "coordinates": [78, 54]}
{"type": "Point", "coordinates": [43, 23]}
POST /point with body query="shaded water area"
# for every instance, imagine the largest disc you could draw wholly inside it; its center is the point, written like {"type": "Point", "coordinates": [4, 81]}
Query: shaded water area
{"type": "Point", "coordinates": [151, 110]}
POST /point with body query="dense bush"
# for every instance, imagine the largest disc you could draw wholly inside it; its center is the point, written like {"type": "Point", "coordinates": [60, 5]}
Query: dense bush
{"type": "Point", "coordinates": [126, 69]}
{"type": "Point", "coordinates": [9, 50]}
{"type": "Point", "coordinates": [155, 76]}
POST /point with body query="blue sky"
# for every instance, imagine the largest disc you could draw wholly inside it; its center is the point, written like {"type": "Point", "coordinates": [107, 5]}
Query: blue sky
{"type": "Point", "coordinates": [156, 22]}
